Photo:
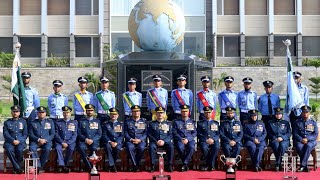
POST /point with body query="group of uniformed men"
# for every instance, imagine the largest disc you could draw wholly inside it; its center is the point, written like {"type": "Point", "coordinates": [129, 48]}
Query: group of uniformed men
{"type": "Point", "coordinates": [134, 133]}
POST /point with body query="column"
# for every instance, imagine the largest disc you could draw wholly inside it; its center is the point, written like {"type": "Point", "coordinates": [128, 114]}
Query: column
{"type": "Point", "coordinates": [72, 51]}
{"type": "Point", "coordinates": [44, 49]}
{"type": "Point", "coordinates": [44, 33]}
{"type": "Point", "coordinates": [214, 32]}
{"type": "Point", "coordinates": [299, 31]}
{"type": "Point", "coordinates": [16, 19]}
{"type": "Point", "coordinates": [271, 31]}
{"type": "Point", "coordinates": [242, 32]}
{"type": "Point", "coordinates": [101, 30]}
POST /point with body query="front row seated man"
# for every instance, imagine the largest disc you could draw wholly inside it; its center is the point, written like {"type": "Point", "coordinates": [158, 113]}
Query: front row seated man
{"type": "Point", "coordinates": [15, 134]}
{"type": "Point", "coordinates": [65, 138]}
{"type": "Point", "coordinates": [89, 134]}
{"type": "Point", "coordinates": [41, 134]}
{"type": "Point", "coordinates": [305, 133]}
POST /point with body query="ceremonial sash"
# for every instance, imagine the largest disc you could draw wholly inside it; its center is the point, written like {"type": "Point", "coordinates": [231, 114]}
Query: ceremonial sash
{"type": "Point", "coordinates": [81, 101]}
{"type": "Point", "coordinates": [226, 100]}
{"type": "Point", "coordinates": [179, 98]}
{"type": "Point", "coordinates": [128, 100]}
{"type": "Point", "coordinates": [206, 103]}
{"type": "Point", "coordinates": [103, 103]}
{"type": "Point", "coordinates": [154, 98]}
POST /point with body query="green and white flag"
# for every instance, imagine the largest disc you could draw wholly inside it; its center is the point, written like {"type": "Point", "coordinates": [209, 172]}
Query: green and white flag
{"type": "Point", "coordinates": [17, 87]}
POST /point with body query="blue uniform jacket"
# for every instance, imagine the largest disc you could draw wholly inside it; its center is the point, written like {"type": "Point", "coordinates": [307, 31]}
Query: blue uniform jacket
{"type": "Point", "coordinates": [263, 103]}
{"type": "Point", "coordinates": [187, 97]}
{"type": "Point", "coordinates": [231, 130]}
{"type": "Point", "coordinates": [278, 128]}
{"type": "Point", "coordinates": [210, 96]}
{"type": "Point", "coordinates": [160, 131]}
{"type": "Point", "coordinates": [112, 131]}
{"type": "Point", "coordinates": [208, 129]}
{"type": "Point", "coordinates": [56, 102]}
{"type": "Point", "coordinates": [66, 131]}
{"type": "Point", "coordinates": [41, 129]}
{"type": "Point", "coordinates": [162, 95]}
{"type": "Point", "coordinates": [306, 129]}
{"type": "Point", "coordinates": [90, 129]}
{"type": "Point", "coordinates": [32, 97]}
{"type": "Point", "coordinates": [135, 129]}
{"type": "Point", "coordinates": [87, 98]}
{"type": "Point", "coordinates": [247, 100]}
{"type": "Point", "coordinates": [135, 97]}
{"type": "Point", "coordinates": [184, 129]}
{"type": "Point", "coordinates": [231, 95]}
{"type": "Point", "coordinates": [15, 130]}
{"type": "Point", "coordinates": [108, 96]}
{"type": "Point", "coordinates": [254, 129]}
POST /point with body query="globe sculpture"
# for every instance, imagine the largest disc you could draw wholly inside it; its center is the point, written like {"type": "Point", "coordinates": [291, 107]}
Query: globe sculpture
{"type": "Point", "coordinates": [156, 25]}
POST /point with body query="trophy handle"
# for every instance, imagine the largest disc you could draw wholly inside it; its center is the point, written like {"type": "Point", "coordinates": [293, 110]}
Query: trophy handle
{"type": "Point", "coordinates": [223, 159]}
{"type": "Point", "coordinates": [238, 156]}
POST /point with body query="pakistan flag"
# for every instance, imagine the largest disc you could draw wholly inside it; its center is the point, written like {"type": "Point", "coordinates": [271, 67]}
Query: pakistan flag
{"type": "Point", "coordinates": [17, 87]}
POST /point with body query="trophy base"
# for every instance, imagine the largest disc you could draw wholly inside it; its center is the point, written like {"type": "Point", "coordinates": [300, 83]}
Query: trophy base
{"type": "Point", "coordinates": [94, 176]}
{"type": "Point", "coordinates": [161, 177]}
{"type": "Point", "coordinates": [290, 178]}
{"type": "Point", "coordinates": [230, 175]}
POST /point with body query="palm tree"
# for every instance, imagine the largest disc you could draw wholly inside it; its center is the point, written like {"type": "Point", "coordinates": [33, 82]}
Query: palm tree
{"type": "Point", "coordinates": [217, 82]}
{"type": "Point", "coordinates": [94, 81]}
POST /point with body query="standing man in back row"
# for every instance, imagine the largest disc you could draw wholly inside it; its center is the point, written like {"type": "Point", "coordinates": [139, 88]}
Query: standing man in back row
{"type": "Point", "coordinates": [32, 96]}
{"type": "Point", "coordinates": [227, 97]}
{"type": "Point", "coordinates": [56, 101]}
{"type": "Point", "coordinates": [81, 98]}
{"type": "Point", "coordinates": [131, 98]}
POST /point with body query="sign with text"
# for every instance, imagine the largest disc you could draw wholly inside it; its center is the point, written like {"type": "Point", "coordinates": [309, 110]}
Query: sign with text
{"type": "Point", "coordinates": [147, 80]}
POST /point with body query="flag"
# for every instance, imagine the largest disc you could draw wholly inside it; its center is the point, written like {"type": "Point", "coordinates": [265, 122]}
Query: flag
{"type": "Point", "coordinates": [17, 87]}
{"type": "Point", "coordinates": [294, 100]}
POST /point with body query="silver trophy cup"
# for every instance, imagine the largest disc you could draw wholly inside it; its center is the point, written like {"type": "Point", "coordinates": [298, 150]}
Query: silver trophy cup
{"type": "Point", "coordinates": [94, 159]}
{"type": "Point", "coordinates": [230, 162]}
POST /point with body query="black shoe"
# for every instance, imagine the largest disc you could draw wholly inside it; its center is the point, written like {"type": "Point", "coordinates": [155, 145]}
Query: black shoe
{"type": "Point", "coordinates": [277, 168]}
{"type": "Point", "coordinates": [306, 169]}
{"type": "Point", "coordinates": [301, 169]}
{"type": "Point", "coordinates": [204, 168]}
{"type": "Point", "coordinates": [256, 169]}
{"type": "Point", "coordinates": [60, 169]}
{"type": "Point", "coordinates": [184, 168]}
{"type": "Point", "coordinates": [211, 168]}
{"type": "Point", "coordinates": [170, 168]}
{"type": "Point", "coordinates": [113, 169]}
{"type": "Point", "coordinates": [152, 168]}
{"type": "Point", "coordinates": [40, 171]}
{"type": "Point", "coordinates": [20, 171]}
{"type": "Point", "coordinates": [66, 170]}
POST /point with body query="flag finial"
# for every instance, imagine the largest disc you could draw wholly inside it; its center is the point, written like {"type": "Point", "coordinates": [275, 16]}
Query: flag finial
{"type": "Point", "coordinates": [18, 45]}
{"type": "Point", "coordinates": [287, 42]}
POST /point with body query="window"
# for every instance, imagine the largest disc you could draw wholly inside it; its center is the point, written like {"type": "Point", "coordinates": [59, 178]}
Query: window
{"type": "Point", "coordinates": [256, 7]}
{"type": "Point", "coordinates": [256, 46]}
{"type": "Point", "coordinates": [30, 46]}
{"type": "Point", "coordinates": [30, 7]}
{"type": "Point", "coordinates": [311, 7]}
{"type": "Point", "coordinates": [6, 44]}
{"type": "Point", "coordinates": [194, 8]}
{"type": "Point", "coordinates": [122, 7]}
{"type": "Point", "coordinates": [6, 7]}
{"type": "Point", "coordinates": [58, 7]}
{"type": "Point", "coordinates": [310, 46]}
{"type": "Point", "coordinates": [284, 7]}
{"type": "Point", "coordinates": [87, 7]}
{"type": "Point", "coordinates": [121, 43]}
{"type": "Point", "coordinates": [280, 48]}
{"type": "Point", "coordinates": [59, 47]}
{"type": "Point", "coordinates": [87, 46]}
{"type": "Point", "coordinates": [194, 43]}
{"type": "Point", "coordinates": [228, 7]}
{"type": "Point", "coordinates": [228, 46]}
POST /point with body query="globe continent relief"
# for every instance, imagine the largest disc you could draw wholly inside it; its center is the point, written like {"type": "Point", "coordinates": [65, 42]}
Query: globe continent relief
{"type": "Point", "coordinates": [156, 25]}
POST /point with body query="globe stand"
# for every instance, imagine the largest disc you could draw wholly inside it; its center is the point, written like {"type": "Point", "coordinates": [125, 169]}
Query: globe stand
{"type": "Point", "coordinates": [161, 176]}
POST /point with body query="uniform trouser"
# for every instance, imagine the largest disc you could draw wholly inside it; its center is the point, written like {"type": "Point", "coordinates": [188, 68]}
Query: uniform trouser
{"type": "Point", "coordinates": [210, 152]}
{"type": "Point", "coordinates": [304, 151]}
{"type": "Point", "coordinates": [153, 152]}
{"type": "Point", "coordinates": [136, 152]}
{"type": "Point", "coordinates": [113, 153]}
{"type": "Point", "coordinates": [185, 151]}
{"type": "Point", "coordinates": [279, 148]}
{"type": "Point", "coordinates": [82, 148]}
{"type": "Point", "coordinates": [45, 151]}
{"type": "Point", "coordinates": [63, 160]}
{"type": "Point", "coordinates": [244, 117]}
{"type": "Point", "coordinates": [79, 117]}
{"type": "Point", "coordinates": [256, 152]}
{"type": "Point", "coordinates": [267, 118]}
{"type": "Point", "coordinates": [293, 119]}
{"type": "Point", "coordinates": [103, 117]}
{"type": "Point", "coordinates": [231, 151]}
{"type": "Point", "coordinates": [15, 154]}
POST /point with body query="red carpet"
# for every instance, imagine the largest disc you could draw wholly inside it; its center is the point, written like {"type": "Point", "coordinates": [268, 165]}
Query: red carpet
{"type": "Point", "coordinates": [215, 175]}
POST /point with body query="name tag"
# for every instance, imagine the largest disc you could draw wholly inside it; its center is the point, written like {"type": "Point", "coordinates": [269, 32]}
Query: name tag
{"type": "Point", "coordinates": [117, 128]}
{"type": "Point", "coordinates": [20, 125]}
{"type": "Point", "coordinates": [236, 128]}
{"type": "Point", "coordinates": [259, 128]}
{"type": "Point", "coordinates": [47, 126]}
{"type": "Point", "coordinates": [93, 125]}
{"type": "Point", "coordinates": [214, 127]}
{"type": "Point", "coordinates": [190, 127]}
{"type": "Point", "coordinates": [140, 125]}
{"type": "Point", "coordinates": [310, 127]}
{"type": "Point", "coordinates": [71, 127]}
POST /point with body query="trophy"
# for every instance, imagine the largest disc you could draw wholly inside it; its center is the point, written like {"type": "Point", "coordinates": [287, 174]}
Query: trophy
{"type": "Point", "coordinates": [161, 176]}
{"type": "Point", "coordinates": [289, 165]}
{"type": "Point", "coordinates": [230, 162]}
{"type": "Point", "coordinates": [31, 167]}
{"type": "Point", "coordinates": [94, 159]}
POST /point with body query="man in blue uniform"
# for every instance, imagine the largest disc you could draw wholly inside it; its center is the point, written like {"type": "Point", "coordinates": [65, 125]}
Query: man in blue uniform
{"type": "Point", "coordinates": [279, 132]}
{"type": "Point", "coordinates": [247, 100]}
{"type": "Point", "coordinates": [306, 133]}
{"type": "Point", "coordinates": [56, 101]}
{"type": "Point", "coordinates": [181, 96]}
{"type": "Point", "coordinates": [227, 97]}
{"type": "Point", "coordinates": [303, 89]}
{"type": "Point", "coordinates": [156, 96]}
{"type": "Point", "coordinates": [208, 137]}
{"type": "Point", "coordinates": [254, 135]}
{"type": "Point", "coordinates": [131, 98]}
{"type": "Point", "coordinates": [184, 131]}
{"type": "Point", "coordinates": [112, 138]}
{"type": "Point", "coordinates": [89, 134]}
{"type": "Point", "coordinates": [81, 98]}
{"type": "Point", "coordinates": [231, 133]}
{"type": "Point", "coordinates": [104, 100]}
{"type": "Point", "coordinates": [65, 138]}
{"type": "Point", "coordinates": [160, 136]}
{"type": "Point", "coordinates": [206, 97]}
{"type": "Point", "coordinates": [32, 95]}
{"type": "Point", "coordinates": [135, 130]}
{"type": "Point", "coordinates": [41, 134]}
{"type": "Point", "coordinates": [267, 102]}
{"type": "Point", "coordinates": [15, 134]}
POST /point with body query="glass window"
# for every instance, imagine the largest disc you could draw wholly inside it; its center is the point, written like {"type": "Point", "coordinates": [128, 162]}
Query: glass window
{"type": "Point", "coordinates": [310, 46]}
{"type": "Point", "coordinates": [6, 7]}
{"type": "Point", "coordinates": [194, 8]}
{"type": "Point", "coordinates": [59, 47]}
{"type": "Point", "coordinates": [194, 43]}
{"type": "Point", "coordinates": [220, 46]}
{"type": "Point", "coordinates": [220, 7]}
{"type": "Point", "coordinates": [6, 44]}
{"type": "Point", "coordinates": [87, 7]}
{"type": "Point", "coordinates": [284, 7]}
{"type": "Point", "coordinates": [122, 7]}
{"type": "Point", "coordinates": [280, 48]}
{"type": "Point", "coordinates": [121, 43]}
{"type": "Point", "coordinates": [30, 46]}
{"type": "Point", "coordinates": [228, 46]}
{"type": "Point", "coordinates": [87, 46]}
{"type": "Point", "coordinates": [256, 7]}
{"type": "Point", "coordinates": [231, 7]}
{"type": "Point", "coordinates": [311, 7]}
{"type": "Point", "coordinates": [58, 7]}
{"type": "Point", "coordinates": [30, 7]}
{"type": "Point", "coordinates": [256, 46]}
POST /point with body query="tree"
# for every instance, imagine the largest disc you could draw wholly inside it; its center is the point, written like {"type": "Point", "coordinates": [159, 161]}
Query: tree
{"type": "Point", "coordinates": [7, 78]}
{"type": "Point", "coordinates": [94, 82]}
{"type": "Point", "coordinates": [315, 87]}
{"type": "Point", "coordinates": [217, 82]}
